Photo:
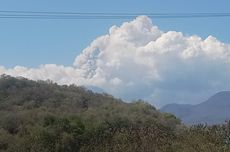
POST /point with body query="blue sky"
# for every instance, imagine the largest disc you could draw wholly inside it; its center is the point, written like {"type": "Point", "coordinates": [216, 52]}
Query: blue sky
{"type": "Point", "coordinates": [136, 60]}
{"type": "Point", "coordinates": [33, 42]}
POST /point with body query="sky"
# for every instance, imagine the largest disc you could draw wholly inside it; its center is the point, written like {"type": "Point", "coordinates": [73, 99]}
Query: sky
{"type": "Point", "coordinates": [40, 49]}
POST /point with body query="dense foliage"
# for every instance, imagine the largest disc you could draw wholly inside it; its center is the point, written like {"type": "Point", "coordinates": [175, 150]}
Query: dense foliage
{"type": "Point", "coordinates": [42, 116]}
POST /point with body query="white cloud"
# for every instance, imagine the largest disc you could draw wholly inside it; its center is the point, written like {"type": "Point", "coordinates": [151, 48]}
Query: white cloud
{"type": "Point", "coordinates": [138, 60]}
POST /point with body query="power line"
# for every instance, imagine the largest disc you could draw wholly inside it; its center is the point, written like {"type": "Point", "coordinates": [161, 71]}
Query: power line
{"type": "Point", "coordinates": [102, 15]}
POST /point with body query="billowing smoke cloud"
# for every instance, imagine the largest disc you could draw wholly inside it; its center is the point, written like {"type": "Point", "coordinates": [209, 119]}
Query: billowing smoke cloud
{"type": "Point", "coordinates": [138, 60]}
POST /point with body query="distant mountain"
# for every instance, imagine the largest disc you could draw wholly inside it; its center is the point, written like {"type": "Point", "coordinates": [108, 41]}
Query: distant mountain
{"type": "Point", "coordinates": [213, 111]}
{"type": "Point", "coordinates": [94, 89]}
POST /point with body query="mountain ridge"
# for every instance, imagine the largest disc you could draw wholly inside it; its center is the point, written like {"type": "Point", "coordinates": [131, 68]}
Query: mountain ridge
{"type": "Point", "coordinates": [214, 110]}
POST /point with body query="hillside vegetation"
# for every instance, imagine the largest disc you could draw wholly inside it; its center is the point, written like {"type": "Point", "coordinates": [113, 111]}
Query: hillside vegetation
{"type": "Point", "coordinates": [41, 116]}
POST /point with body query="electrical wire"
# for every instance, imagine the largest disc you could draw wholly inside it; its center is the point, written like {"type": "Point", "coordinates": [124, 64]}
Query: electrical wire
{"type": "Point", "coordinates": [89, 15]}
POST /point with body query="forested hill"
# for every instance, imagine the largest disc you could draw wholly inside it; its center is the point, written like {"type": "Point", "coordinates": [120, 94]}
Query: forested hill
{"type": "Point", "coordinates": [41, 116]}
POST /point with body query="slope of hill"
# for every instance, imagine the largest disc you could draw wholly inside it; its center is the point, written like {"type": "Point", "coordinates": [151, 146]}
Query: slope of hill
{"type": "Point", "coordinates": [213, 111]}
{"type": "Point", "coordinates": [42, 116]}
